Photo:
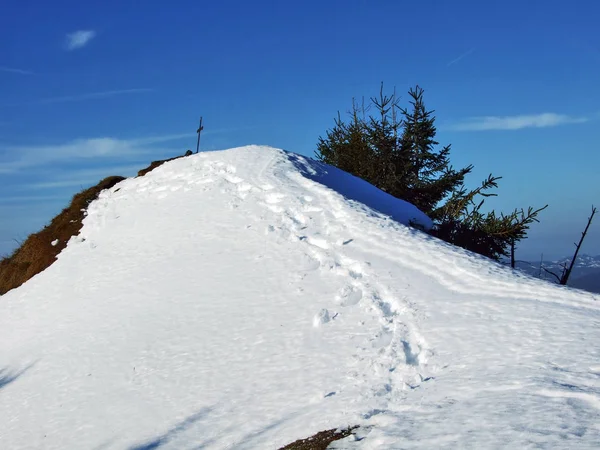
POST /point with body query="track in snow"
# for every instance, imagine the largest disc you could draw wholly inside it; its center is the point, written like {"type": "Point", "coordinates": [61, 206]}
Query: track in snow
{"type": "Point", "coordinates": [238, 300]}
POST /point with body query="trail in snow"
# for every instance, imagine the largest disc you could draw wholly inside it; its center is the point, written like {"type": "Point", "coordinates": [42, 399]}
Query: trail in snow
{"type": "Point", "coordinates": [238, 300]}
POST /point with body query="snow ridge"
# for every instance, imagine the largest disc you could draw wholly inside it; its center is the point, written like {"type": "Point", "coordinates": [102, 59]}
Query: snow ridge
{"type": "Point", "coordinates": [251, 297]}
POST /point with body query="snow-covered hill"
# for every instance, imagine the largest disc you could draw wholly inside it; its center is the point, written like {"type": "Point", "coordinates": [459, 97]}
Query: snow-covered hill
{"type": "Point", "coordinates": [247, 298]}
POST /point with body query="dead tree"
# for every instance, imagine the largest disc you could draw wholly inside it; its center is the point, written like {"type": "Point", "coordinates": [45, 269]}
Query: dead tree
{"type": "Point", "coordinates": [566, 273]}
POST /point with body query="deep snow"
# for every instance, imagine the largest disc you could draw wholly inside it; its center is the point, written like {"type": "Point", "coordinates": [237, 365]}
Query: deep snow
{"type": "Point", "coordinates": [236, 299]}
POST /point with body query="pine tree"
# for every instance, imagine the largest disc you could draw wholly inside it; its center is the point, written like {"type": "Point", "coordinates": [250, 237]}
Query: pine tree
{"type": "Point", "coordinates": [461, 222]}
{"type": "Point", "coordinates": [398, 156]}
{"type": "Point", "coordinates": [382, 136]}
{"type": "Point", "coordinates": [346, 147]}
{"type": "Point", "coordinates": [424, 174]}
{"type": "Point", "coordinates": [401, 157]}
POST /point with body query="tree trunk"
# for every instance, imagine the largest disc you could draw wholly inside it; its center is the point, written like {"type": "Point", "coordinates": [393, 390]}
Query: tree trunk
{"type": "Point", "coordinates": [567, 273]}
{"type": "Point", "coordinates": [512, 253]}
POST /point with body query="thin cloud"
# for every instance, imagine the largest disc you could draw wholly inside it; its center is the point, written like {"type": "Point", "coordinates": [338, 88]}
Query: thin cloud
{"type": "Point", "coordinates": [84, 182]}
{"type": "Point", "coordinates": [15, 70]}
{"type": "Point", "coordinates": [80, 151]}
{"type": "Point", "coordinates": [159, 139]}
{"type": "Point", "coordinates": [544, 120]}
{"type": "Point", "coordinates": [92, 96]}
{"type": "Point", "coordinates": [83, 177]}
{"type": "Point", "coordinates": [79, 39]}
{"type": "Point", "coordinates": [461, 57]}
{"type": "Point", "coordinates": [82, 97]}
{"type": "Point", "coordinates": [174, 137]}
{"type": "Point", "coordinates": [30, 198]}
{"type": "Point", "coordinates": [94, 152]}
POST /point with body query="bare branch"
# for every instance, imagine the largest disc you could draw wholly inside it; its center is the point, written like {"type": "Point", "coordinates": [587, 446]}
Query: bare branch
{"type": "Point", "coordinates": [552, 273]}
{"type": "Point", "coordinates": [567, 272]}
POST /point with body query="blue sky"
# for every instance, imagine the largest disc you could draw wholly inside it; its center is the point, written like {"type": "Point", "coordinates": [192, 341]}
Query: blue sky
{"type": "Point", "coordinates": [91, 89]}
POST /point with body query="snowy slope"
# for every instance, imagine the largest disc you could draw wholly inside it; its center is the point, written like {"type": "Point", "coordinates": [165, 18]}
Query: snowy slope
{"type": "Point", "coordinates": [236, 299]}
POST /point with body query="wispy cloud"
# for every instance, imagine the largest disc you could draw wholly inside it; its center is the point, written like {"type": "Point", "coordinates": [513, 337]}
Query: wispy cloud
{"type": "Point", "coordinates": [30, 198]}
{"type": "Point", "coordinates": [81, 97]}
{"type": "Point", "coordinates": [79, 39]}
{"type": "Point", "coordinates": [159, 139]}
{"type": "Point", "coordinates": [15, 70]}
{"type": "Point", "coordinates": [83, 177]}
{"type": "Point", "coordinates": [14, 159]}
{"type": "Point", "coordinates": [79, 160]}
{"type": "Point", "coordinates": [519, 122]}
{"type": "Point", "coordinates": [92, 96]}
{"type": "Point", "coordinates": [461, 57]}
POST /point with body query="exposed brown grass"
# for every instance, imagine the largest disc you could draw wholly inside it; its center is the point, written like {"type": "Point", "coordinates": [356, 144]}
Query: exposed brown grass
{"type": "Point", "coordinates": [154, 164]}
{"type": "Point", "coordinates": [37, 253]}
{"type": "Point", "coordinates": [319, 441]}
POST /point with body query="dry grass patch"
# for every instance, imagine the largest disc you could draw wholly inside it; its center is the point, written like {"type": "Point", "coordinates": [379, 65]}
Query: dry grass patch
{"type": "Point", "coordinates": [319, 441]}
{"type": "Point", "coordinates": [154, 164]}
{"type": "Point", "coordinates": [37, 253]}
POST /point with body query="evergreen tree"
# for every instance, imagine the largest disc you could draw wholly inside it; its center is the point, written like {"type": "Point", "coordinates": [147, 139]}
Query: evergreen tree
{"type": "Point", "coordinates": [424, 174]}
{"type": "Point", "coordinates": [461, 222]}
{"type": "Point", "coordinates": [401, 157]}
{"type": "Point", "coordinates": [382, 136]}
{"type": "Point", "coordinates": [397, 156]}
{"type": "Point", "coordinates": [346, 147]}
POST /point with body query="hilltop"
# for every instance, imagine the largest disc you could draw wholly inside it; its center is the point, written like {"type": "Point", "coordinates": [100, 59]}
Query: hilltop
{"type": "Point", "coordinates": [251, 297]}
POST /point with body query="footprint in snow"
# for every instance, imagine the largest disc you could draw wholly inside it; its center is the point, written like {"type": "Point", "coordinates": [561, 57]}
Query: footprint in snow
{"type": "Point", "coordinates": [349, 295]}
{"type": "Point", "coordinates": [295, 217]}
{"type": "Point", "coordinates": [372, 413]}
{"type": "Point", "coordinates": [322, 317]}
{"type": "Point", "coordinates": [383, 339]}
{"type": "Point", "coordinates": [348, 268]}
{"type": "Point", "coordinates": [412, 353]}
{"type": "Point", "coordinates": [316, 242]}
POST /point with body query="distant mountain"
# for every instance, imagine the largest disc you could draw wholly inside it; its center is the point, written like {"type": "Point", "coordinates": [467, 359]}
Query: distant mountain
{"type": "Point", "coordinates": [589, 282]}
{"type": "Point", "coordinates": [585, 275]}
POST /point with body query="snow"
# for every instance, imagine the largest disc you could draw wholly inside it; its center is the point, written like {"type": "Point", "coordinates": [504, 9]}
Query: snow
{"type": "Point", "coordinates": [251, 297]}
